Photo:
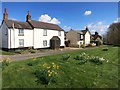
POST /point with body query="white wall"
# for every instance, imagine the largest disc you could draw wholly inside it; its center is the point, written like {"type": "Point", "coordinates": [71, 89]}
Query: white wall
{"type": "Point", "coordinates": [38, 37]}
{"type": "Point", "coordinates": [3, 36]}
{"type": "Point", "coordinates": [14, 38]}
{"type": "Point", "coordinates": [87, 38]}
{"type": "Point", "coordinates": [31, 37]}
{"type": "Point", "coordinates": [79, 43]}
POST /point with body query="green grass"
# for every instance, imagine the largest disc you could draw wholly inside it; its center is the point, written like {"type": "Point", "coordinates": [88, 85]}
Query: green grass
{"type": "Point", "coordinates": [71, 74]}
{"type": "Point", "coordinates": [6, 53]}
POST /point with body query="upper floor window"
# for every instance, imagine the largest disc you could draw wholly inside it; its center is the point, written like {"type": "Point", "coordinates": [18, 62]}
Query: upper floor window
{"type": "Point", "coordinates": [21, 32]}
{"type": "Point", "coordinates": [44, 32]}
{"type": "Point", "coordinates": [81, 36]}
{"type": "Point", "coordinates": [21, 42]}
{"type": "Point", "coordinates": [59, 33]}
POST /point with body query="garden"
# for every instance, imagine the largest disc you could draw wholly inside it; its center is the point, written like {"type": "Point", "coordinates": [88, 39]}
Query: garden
{"type": "Point", "coordinates": [96, 68]}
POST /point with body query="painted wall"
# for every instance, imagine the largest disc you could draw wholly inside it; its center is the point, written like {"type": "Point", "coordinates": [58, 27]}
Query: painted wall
{"type": "Point", "coordinates": [3, 36]}
{"type": "Point", "coordinates": [32, 38]}
{"type": "Point", "coordinates": [39, 37]}
{"type": "Point", "coordinates": [87, 38]}
{"type": "Point", "coordinates": [13, 38]}
{"type": "Point", "coordinates": [72, 36]}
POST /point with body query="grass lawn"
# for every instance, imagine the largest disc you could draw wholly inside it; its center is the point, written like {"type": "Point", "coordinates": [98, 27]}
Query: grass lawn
{"type": "Point", "coordinates": [71, 74]}
{"type": "Point", "coordinates": [5, 53]}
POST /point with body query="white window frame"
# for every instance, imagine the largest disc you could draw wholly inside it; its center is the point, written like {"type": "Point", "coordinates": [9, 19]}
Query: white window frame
{"type": "Point", "coordinates": [21, 32]}
{"type": "Point", "coordinates": [81, 36]}
{"type": "Point", "coordinates": [44, 32]}
{"type": "Point", "coordinates": [59, 33]}
{"type": "Point", "coordinates": [21, 42]}
{"type": "Point", "coordinates": [44, 42]}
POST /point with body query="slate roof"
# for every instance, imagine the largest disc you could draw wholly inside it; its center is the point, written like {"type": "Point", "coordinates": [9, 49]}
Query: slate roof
{"type": "Point", "coordinates": [96, 36]}
{"type": "Point", "coordinates": [44, 25]}
{"type": "Point", "coordinates": [32, 24]}
{"type": "Point", "coordinates": [81, 31]}
{"type": "Point", "coordinates": [17, 24]}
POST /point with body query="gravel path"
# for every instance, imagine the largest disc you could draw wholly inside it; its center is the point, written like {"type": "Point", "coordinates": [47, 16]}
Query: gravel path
{"type": "Point", "coordinates": [28, 56]}
{"type": "Point", "coordinates": [42, 53]}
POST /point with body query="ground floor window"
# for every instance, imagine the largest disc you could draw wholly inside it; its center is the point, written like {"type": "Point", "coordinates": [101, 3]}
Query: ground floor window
{"type": "Point", "coordinates": [21, 42]}
{"type": "Point", "coordinates": [44, 42]}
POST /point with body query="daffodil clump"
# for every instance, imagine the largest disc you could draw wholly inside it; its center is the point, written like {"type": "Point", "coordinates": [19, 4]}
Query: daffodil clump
{"type": "Point", "coordinates": [48, 74]}
{"type": "Point", "coordinates": [83, 58]}
{"type": "Point", "coordinates": [5, 62]}
{"type": "Point", "coordinates": [97, 60]}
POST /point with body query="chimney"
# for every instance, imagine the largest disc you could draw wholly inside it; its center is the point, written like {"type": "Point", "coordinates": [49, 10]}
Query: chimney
{"type": "Point", "coordinates": [28, 17]}
{"type": "Point", "coordinates": [87, 28]}
{"type": "Point", "coordinates": [13, 25]}
{"type": "Point", "coordinates": [96, 33]}
{"type": "Point", "coordinates": [5, 14]}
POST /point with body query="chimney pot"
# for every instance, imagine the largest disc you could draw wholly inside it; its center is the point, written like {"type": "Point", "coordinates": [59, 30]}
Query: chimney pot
{"type": "Point", "coordinates": [5, 16]}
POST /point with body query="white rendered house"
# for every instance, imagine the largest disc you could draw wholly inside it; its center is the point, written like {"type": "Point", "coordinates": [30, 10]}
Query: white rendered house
{"type": "Point", "coordinates": [35, 34]}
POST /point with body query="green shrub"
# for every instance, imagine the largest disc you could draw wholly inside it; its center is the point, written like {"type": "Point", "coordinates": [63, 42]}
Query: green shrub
{"type": "Point", "coordinates": [66, 57]}
{"type": "Point", "coordinates": [105, 49]}
{"type": "Point", "coordinates": [18, 51]}
{"type": "Point", "coordinates": [83, 45]}
{"type": "Point", "coordinates": [32, 51]}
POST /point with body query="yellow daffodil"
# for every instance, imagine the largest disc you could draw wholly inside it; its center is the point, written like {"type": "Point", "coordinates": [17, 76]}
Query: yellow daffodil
{"type": "Point", "coordinates": [44, 64]}
{"type": "Point", "coordinates": [2, 59]}
{"type": "Point", "coordinates": [8, 59]}
{"type": "Point", "coordinates": [48, 71]}
{"type": "Point", "coordinates": [57, 67]}
{"type": "Point", "coordinates": [48, 67]}
{"type": "Point", "coordinates": [53, 63]}
{"type": "Point", "coordinates": [49, 75]}
{"type": "Point", "coordinates": [55, 72]}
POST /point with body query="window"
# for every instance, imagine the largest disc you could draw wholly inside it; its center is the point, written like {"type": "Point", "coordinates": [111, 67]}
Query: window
{"type": "Point", "coordinates": [59, 33]}
{"type": "Point", "coordinates": [81, 36]}
{"type": "Point", "coordinates": [21, 32]}
{"type": "Point", "coordinates": [44, 32]}
{"type": "Point", "coordinates": [6, 33]}
{"type": "Point", "coordinates": [44, 42]}
{"type": "Point", "coordinates": [21, 42]}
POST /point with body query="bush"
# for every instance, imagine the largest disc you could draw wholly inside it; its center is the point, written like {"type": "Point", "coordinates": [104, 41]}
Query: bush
{"type": "Point", "coordinates": [105, 49]}
{"type": "Point", "coordinates": [32, 51]}
{"type": "Point", "coordinates": [83, 45]}
{"type": "Point", "coordinates": [66, 57]}
{"type": "Point", "coordinates": [18, 51]}
{"type": "Point", "coordinates": [48, 74]}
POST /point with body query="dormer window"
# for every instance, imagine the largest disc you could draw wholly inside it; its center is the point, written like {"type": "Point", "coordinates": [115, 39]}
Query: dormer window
{"type": "Point", "coordinates": [21, 32]}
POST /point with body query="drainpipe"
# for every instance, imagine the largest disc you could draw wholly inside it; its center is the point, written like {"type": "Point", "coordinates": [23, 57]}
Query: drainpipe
{"type": "Point", "coordinates": [10, 38]}
{"type": "Point", "coordinates": [13, 34]}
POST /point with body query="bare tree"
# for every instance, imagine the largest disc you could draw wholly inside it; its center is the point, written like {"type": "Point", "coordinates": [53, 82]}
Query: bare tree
{"type": "Point", "coordinates": [113, 34]}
